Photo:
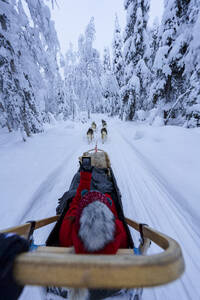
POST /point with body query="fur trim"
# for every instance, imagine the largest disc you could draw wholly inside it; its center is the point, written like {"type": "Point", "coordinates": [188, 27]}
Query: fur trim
{"type": "Point", "coordinates": [78, 294]}
{"type": "Point", "coordinates": [97, 226]}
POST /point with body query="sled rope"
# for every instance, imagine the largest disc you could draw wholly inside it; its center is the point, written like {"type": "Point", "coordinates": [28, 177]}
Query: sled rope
{"type": "Point", "coordinates": [96, 148]}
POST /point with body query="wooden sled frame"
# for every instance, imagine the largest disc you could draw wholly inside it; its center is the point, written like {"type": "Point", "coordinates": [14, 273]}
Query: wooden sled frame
{"type": "Point", "coordinates": [61, 267]}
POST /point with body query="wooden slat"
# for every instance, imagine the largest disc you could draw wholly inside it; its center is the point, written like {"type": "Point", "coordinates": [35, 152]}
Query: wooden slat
{"type": "Point", "coordinates": [24, 229]}
{"type": "Point", "coordinates": [71, 250]}
{"type": "Point", "coordinates": [61, 250]}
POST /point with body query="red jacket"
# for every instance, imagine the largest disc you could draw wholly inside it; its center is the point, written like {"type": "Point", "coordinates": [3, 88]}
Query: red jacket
{"type": "Point", "coordinates": [68, 234]}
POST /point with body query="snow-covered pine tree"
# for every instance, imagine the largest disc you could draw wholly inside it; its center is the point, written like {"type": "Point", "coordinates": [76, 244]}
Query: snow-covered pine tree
{"type": "Point", "coordinates": [110, 86]}
{"type": "Point", "coordinates": [136, 73]}
{"type": "Point", "coordinates": [18, 102]}
{"type": "Point", "coordinates": [9, 99]}
{"type": "Point", "coordinates": [149, 58]}
{"type": "Point", "coordinates": [191, 101]}
{"type": "Point", "coordinates": [71, 81]}
{"type": "Point", "coordinates": [28, 68]}
{"type": "Point", "coordinates": [62, 107]}
{"type": "Point", "coordinates": [87, 86]}
{"type": "Point", "coordinates": [106, 60]}
{"type": "Point", "coordinates": [118, 62]}
{"type": "Point", "coordinates": [46, 53]}
{"type": "Point", "coordinates": [153, 42]}
{"type": "Point", "coordinates": [170, 86]}
{"type": "Point", "coordinates": [118, 65]}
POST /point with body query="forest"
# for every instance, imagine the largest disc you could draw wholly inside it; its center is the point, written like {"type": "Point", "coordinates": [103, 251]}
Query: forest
{"type": "Point", "coordinates": [147, 74]}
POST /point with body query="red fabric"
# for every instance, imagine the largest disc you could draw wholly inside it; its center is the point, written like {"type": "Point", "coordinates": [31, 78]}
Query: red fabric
{"type": "Point", "coordinates": [68, 234]}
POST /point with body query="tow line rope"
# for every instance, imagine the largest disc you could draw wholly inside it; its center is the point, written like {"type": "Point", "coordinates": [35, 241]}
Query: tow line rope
{"type": "Point", "coordinates": [96, 148]}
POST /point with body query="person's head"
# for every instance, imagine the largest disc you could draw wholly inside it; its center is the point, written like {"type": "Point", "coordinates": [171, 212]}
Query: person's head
{"type": "Point", "coordinates": [96, 221]}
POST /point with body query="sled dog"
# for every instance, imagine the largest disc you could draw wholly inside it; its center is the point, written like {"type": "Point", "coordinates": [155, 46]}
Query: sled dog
{"type": "Point", "coordinates": [104, 124]}
{"type": "Point", "coordinates": [104, 134]}
{"type": "Point", "coordinates": [90, 135]}
{"type": "Point", "coordinates": [94, 126]}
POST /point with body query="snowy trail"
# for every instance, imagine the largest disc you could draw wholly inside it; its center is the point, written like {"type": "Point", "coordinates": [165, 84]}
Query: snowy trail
{"type": "Point", "coordinates": [146, 197]}
{"type": "Point", "coordinates": [45, 198]}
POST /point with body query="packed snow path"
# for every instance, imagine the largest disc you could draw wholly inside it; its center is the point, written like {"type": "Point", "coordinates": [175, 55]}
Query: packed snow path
{"type": "Point", "coordinates": [146, 194]}
{"type": "Point", "coordinates": [148, 199]}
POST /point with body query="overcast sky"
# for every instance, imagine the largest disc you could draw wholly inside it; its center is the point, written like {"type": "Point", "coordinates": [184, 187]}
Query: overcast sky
{"type": "Point", "coordinates": [72, 17]}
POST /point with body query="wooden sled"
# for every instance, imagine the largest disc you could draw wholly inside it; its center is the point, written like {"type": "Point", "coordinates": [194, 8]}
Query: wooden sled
{"type": "Point", "coordinates": [59, 266]}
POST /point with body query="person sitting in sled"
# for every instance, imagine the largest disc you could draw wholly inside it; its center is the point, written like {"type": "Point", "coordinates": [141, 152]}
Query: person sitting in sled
{"type": "Point", "coordinates": [91, 223]}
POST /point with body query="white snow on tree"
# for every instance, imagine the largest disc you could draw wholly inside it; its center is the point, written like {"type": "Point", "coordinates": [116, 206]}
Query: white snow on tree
{"type": "Point", "coordinates": [30, 83]}
{"type": "Point", "coordinates": [85, 68]}
{"type": "Point", "coordinates": [152, 72]}
{"type": "Point", "coordinates": [136, 73]}
{"type": "Point", "coordinates": [18, 103]}
{"type": "Point", "coordinates": [172, 89]}
{"type": "Point", "coordinates": [118, 61]}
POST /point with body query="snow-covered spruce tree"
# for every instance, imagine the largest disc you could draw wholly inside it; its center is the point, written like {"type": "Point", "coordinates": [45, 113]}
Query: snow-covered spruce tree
{"type": "Point", "coordinates": [106, 60]}
{"type": "Point", "coordinates": [46, 53]}
{"type": "Point", "coordinates": [62, 107]}
{"type": "Point", "coordinates": [118, 62]}
{"type": "Point", "coordinates": [153, 43]}
{"type": "Point", "coordinates": [136, 73]}
{"type": "Point", "coordinates": [191, 102]}
{"type": "Point", "coordinates": [71, 81]}
{"type": "Point", "coordinates": [17, 98]}
{"type": "Point", "coordinates": [29, 70]}
{"type": "Point", "coordinates": [171, 85]}
{"type": "Point", "coordinates": [87, 86]}
{"type": "Point", "coordinates": [110, 86]}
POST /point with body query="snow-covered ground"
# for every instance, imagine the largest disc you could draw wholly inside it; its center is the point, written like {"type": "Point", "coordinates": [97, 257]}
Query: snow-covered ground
{"type": "Point", "coordinates": [157, 170]}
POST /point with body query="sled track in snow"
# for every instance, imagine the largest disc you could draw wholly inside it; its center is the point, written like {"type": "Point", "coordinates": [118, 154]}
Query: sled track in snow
{"type": "Point", "coordinates": [170, 192]}
{"type": "Point", "coordinates": [48, 184]}
{"type": "Point", "coordinates": [146, 180]}
{"type": "Point", "coordinates": [43, 188]}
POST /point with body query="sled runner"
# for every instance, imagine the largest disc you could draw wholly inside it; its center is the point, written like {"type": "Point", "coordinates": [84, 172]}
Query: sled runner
{"type": "Point", "coordinates": [51, 265]}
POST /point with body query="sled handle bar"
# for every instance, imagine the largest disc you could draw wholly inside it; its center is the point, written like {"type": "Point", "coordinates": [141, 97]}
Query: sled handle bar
{"type": "Point", "coordinates": [24, 229]}
{"type": "Point", "coordinates": [99, 271]}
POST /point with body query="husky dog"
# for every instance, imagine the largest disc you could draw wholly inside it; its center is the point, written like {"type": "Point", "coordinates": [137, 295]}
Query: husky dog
{"type": "Point", "coordinates": [90, 135]}
{"type": "Point", "coordinates": [94, 126]}
{"type": "Point", "coordinates": [104, 124]}
{"type": "Point", "coordinates": [104, 134]}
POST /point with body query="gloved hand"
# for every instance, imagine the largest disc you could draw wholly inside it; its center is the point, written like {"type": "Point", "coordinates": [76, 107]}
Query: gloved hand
{"type": "Point", "coordinates": [10, 246]}
{"type": "Point", "coordinates": [85, 168]}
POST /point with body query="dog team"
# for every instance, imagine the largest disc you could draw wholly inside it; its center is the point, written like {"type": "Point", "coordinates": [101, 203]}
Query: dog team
{"type": "Point", "coordinates": [93, 128]}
